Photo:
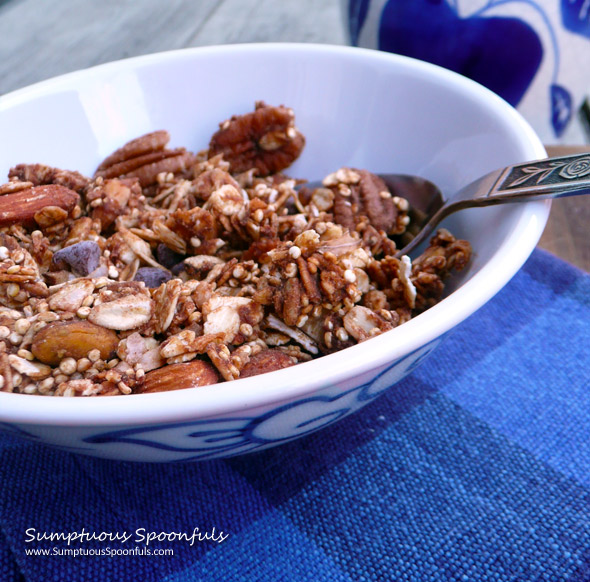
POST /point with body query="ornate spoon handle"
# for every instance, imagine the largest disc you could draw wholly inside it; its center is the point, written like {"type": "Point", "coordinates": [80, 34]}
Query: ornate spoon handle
{"type": "Point", "coordinates": [549, 178]}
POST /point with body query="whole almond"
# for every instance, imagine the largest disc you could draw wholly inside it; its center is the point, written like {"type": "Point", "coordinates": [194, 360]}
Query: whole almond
{"type": "Point", "coordinates": [21, 207]}
{"type": "Point", "coordinates": [266, 361]}
{"type": "Point", "coordinates": [179, 376]}
{"type": "Point", "coordinates": [73, 339]}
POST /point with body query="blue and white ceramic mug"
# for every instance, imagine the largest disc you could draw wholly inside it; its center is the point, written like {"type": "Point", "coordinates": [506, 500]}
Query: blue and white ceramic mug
{"type": "Point", "coordinates": [533, 53]}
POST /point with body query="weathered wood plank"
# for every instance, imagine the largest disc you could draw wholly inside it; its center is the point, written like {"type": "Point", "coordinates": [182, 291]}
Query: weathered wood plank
{"type": "Point", "coordinates": [270, 20]}
{"type": "Point", "coordinates": [39, 42]}
{"type": "Point", "coordinates": [566, 233]}
{"type": "Point", "coordinates": [74, 34]}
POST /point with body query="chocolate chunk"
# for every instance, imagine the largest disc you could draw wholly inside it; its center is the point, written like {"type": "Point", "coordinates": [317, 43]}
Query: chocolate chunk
{"type": "Point", "coordinates": [81, 258]}
{"type": "Point", "coordinates": [152, 276]}
{"type": "Point", "coordinates": [167, 257]}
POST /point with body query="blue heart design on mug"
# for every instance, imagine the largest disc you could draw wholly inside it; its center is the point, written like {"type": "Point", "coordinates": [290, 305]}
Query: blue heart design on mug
{"type": "Point", "coordinates": [576, 16]}
{"type": "Point", "coordinates": [501, 53]}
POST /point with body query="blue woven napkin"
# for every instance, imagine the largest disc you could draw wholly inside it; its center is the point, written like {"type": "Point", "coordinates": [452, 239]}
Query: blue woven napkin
{"type": "Point", "coordinates": [477, 467]}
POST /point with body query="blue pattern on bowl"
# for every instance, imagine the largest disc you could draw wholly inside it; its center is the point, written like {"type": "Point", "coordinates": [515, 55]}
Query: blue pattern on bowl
{"type": "Point", "coordinates": [223, 437]}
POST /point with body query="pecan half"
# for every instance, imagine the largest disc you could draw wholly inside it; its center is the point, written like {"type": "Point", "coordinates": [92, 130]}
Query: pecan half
{"type": "Point", "coordinates": [144, 158]}
{"type": "Point", "coordinates": [150, 142]}
{"type": "Point", "coordinates": [361, 196]}
{"type": "Point", "coordinates": [265, 139]}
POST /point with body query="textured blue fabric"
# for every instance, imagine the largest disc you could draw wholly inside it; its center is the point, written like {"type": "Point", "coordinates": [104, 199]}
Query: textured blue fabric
{"type": "Point", "coordinates": [475, 468]}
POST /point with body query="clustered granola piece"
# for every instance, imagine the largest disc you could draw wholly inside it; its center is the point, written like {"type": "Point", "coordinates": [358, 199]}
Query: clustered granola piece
{"type": "Point", "coordinates": [169, 269]}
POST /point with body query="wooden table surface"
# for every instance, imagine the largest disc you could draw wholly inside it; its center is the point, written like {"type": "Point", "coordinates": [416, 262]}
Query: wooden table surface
{"type": "Point", "coordinates": [39, 40]}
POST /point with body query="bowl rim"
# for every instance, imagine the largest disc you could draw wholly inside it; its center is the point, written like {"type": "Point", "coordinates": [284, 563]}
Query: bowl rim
{"type": "Point", "coordinates": [239, 396]}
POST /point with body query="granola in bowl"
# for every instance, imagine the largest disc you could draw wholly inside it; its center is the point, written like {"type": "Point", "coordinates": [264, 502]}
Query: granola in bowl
{"type": "Point", "coordinates": [169, 269]}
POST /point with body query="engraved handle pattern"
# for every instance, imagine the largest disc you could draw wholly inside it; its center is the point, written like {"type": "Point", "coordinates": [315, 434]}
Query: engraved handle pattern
{"type": "Point", "coordinates": [549, 175]}
{"type": "Point", "coordinates": [537, 180]}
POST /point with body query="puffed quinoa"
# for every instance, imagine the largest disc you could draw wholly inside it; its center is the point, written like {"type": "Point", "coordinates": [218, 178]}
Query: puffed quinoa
{"type": "Point", "coordinates": [68, 366]}
{"type": "Point", "coordinates": [169, 268]}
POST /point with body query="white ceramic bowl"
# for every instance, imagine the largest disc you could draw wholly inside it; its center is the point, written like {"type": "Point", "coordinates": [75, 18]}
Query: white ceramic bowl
{"type": "Point", "coordinates": [356, 107]}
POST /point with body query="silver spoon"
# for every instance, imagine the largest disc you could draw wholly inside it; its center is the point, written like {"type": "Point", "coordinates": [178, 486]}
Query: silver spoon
{"type": "Point", "coordinates": [540, 179]}
{"type": "Point", "coordinates": [547, 178]}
